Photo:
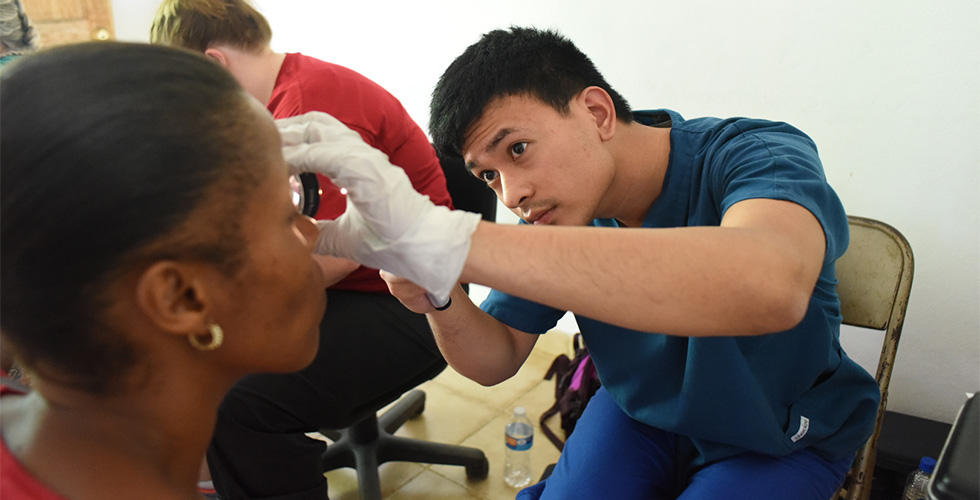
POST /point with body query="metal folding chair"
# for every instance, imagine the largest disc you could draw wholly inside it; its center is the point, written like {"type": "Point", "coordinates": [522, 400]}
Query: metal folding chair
{"type": "Point", "coordinates": [875, 278]}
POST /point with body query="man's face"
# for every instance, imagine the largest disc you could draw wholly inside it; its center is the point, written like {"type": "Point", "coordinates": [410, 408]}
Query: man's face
{"type": "Point", "coordinates": [546, 167]}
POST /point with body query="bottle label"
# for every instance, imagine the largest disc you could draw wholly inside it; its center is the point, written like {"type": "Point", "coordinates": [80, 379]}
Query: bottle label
{"type": "Point", "coordinates": [519, 444]}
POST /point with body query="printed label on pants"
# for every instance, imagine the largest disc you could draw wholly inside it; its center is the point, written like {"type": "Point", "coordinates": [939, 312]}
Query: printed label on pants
{"type": "Point", "coordinates": [804, 426]}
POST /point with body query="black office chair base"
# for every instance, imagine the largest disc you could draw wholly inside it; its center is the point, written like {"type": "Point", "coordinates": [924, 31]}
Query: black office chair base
{"type": "Point", "coordinates": [371, 442]}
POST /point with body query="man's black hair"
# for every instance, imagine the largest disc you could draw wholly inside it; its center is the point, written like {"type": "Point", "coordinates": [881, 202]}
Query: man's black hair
{"type": "Point", "coordinates": [517, 61]}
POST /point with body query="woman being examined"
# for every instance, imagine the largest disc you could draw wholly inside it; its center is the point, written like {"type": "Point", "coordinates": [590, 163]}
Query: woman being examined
{"type": "Point", "coordinates": [151, 255]}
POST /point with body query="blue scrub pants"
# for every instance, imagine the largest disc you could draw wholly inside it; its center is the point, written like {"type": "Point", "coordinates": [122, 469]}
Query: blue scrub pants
{"type": "Point", "coordinates": [610, 455]}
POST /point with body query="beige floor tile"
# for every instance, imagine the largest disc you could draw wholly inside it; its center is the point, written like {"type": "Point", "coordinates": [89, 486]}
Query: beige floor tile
{"type": "Point", "coordinates": [431, 486]}
{"type": "Point", "coordinates": [490, 439]}
{"type": "Point", "coordinates": [448, 417]}
{"type": "Point", "coordinates": [342, 483]}
{"type": "Point", "coordinates": [505, 393]}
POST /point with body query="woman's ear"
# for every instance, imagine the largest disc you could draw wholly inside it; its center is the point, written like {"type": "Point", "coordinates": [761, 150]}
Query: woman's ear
{"type": "Point", "coordinates": [173, 296]}
{"type": "Point", "coordinates": [600, 105]}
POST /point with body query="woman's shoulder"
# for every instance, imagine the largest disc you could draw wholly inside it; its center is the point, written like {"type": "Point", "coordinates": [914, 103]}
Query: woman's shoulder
{"type": "Point", "coordinates": [18, 482]}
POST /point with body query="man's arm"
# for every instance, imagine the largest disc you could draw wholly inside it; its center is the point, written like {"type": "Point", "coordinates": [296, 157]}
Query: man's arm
{"type": "Point", "coordinates": [752, 275]}
{"type": "Point", "coordinates": [474, 343]}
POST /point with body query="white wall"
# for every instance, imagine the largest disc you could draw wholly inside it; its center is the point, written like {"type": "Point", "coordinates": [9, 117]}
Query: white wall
{"type": "Point", "coordinates": [890, 91]}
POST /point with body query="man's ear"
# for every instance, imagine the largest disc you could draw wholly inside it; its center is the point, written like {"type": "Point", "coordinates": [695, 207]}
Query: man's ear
{"type": "Point", "coordinates": [172, 296]}
{"type": "Point", "coordinates": [218, 56]}
{"type": "Point", "coordinates": [600, 105]}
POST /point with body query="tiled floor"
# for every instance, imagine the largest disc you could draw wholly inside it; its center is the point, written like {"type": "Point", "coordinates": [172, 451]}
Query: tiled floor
{"type": "Point", "coordinates": [460, 411]}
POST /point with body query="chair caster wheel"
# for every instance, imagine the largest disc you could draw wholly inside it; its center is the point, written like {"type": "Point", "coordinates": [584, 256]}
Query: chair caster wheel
{"type": "Point", "coordinates": [478, 471]}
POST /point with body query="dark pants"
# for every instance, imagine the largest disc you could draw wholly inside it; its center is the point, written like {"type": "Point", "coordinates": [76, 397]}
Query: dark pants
{"type": "Point", "coordinates": [372, 350]}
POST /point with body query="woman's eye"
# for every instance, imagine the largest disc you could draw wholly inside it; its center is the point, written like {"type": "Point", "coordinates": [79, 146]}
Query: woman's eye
{"type": "Point", "coordinates": [488, 176]}
{"type": "Point", "coordinates": [518, 148]}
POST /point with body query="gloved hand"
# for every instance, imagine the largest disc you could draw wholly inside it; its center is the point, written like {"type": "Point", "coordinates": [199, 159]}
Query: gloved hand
{"type": "Point", "coordinates": [388, 225]}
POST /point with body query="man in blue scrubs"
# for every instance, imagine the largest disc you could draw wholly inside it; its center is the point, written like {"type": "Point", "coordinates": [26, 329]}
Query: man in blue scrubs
{"type": "Point", "coordinates": [697, 255]}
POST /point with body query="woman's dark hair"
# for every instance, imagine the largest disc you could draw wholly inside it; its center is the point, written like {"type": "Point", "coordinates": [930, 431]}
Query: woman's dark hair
{"type": "Point", "coordinates": [106, 150]}
{"type": "Point", "coordinates": [519, 61]}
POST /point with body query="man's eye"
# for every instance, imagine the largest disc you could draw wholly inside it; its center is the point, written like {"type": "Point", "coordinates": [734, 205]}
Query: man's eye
{"type": "Point", "coordinates": [488, 176]}
{"type": "Point", "coordinates": [518, 148]}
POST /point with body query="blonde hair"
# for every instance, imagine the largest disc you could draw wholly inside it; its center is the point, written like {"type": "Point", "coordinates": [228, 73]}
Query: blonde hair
{"type": "Point", "coordinates": [200, 24]}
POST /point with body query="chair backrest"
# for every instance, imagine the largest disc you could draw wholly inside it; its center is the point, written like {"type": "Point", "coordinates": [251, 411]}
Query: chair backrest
{"type": "Point", "coordinates": [875, 278]}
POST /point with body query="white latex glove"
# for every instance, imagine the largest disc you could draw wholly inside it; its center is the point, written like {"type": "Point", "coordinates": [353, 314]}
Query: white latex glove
{"type": "Point", "coordinates": [388, 224]}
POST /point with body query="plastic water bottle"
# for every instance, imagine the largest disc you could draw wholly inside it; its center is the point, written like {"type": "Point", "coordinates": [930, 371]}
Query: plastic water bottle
{"type": "Point", "coordinates": [520, 437]}
{"type": "Point", "coordinates": [918, 484]}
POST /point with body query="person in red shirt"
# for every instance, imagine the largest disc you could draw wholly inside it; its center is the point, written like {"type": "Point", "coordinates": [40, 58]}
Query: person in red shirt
{"type": "Point", "coordinates": [142, 263]}
{"type": "Point", "coordinates": [372, 348]}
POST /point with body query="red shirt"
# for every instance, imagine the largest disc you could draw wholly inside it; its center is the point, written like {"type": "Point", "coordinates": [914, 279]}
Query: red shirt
{"type": "Point", "coordinates": [16, 482]}
{"type": "Point", "coordinates": [307, 84]}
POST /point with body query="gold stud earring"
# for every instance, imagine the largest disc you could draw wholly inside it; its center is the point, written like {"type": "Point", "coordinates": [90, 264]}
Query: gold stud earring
{"type": "Point", "coordinates": [217, 336]}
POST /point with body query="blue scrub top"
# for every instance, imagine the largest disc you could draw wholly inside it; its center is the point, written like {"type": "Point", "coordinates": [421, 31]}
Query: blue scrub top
{"type": "Point", "coordinates": [774, 393]}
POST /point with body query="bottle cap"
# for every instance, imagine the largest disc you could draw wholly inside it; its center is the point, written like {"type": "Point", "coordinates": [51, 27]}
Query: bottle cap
{"type": "Point", "coordinates": [521, 412]}
{"type": "Point", "coordinates": [927, 464]}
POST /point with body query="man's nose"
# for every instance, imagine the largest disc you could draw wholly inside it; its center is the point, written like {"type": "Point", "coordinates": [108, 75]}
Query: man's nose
{"type": "Point", "coordinates": [514, 191]}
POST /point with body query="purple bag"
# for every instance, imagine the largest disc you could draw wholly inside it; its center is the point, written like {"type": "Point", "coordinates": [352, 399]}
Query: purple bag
{"type": "Point", "coordinates": [576, 381]}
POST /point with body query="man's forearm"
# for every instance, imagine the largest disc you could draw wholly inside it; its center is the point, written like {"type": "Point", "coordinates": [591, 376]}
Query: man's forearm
{"type": "Point", "coordinates": [697, 281]}
{"type": "Point", "coordinates": [477, 345]}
